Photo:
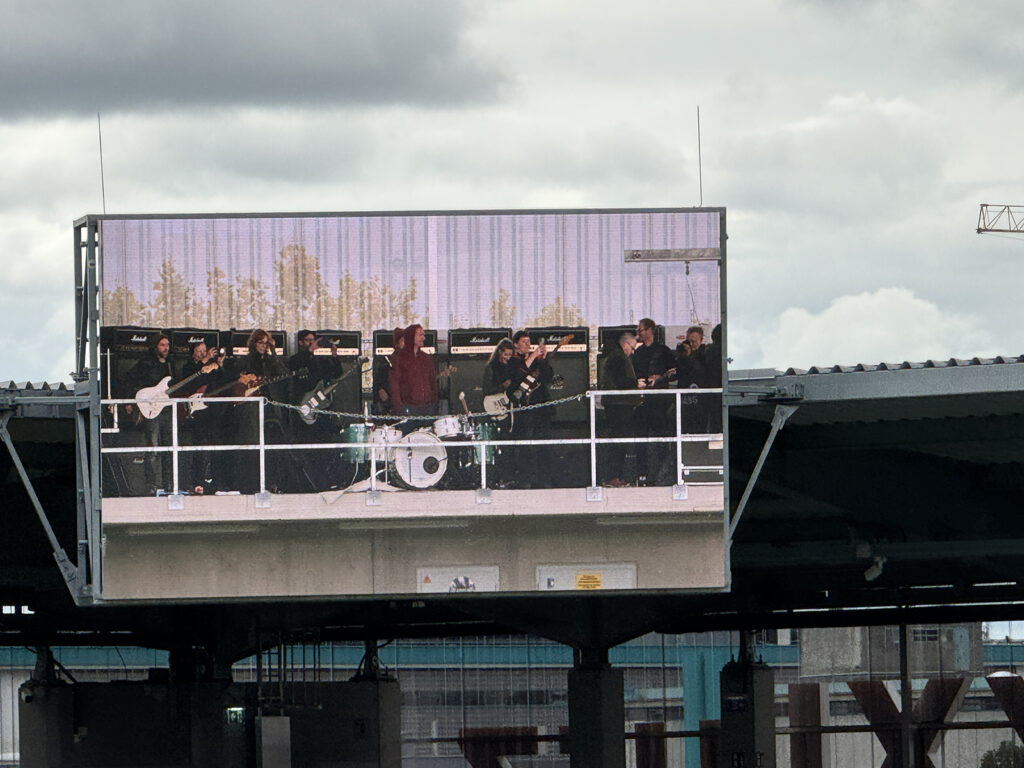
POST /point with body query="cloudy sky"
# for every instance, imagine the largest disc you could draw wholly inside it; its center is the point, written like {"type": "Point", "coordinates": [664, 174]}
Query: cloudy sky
{"type": "Point", "coordinates": [851, 142]}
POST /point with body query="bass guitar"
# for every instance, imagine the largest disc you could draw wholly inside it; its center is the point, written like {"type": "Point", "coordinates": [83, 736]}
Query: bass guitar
{"type": "Point", "coordinates": [320, 394]}
{"type": "Point", "coordinates": [152, 400]}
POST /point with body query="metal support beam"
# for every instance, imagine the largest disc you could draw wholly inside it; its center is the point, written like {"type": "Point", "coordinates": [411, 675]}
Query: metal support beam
{"type": "Point", "coordinates": [908, 742]}
{"type": "Point", "coordinates": [67, 569]}
{"type": "Point", "coordinates": [1000, 218]}
{"type": "Point", "coordinates": [782, 413]}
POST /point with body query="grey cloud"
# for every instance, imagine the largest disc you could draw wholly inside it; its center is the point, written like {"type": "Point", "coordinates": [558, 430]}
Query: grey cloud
{"type": "Point", "coordinates": [83, 57]}
{"type": "Point", "coordinates": [593, 158]}
{"type": "Point", "coordinates": [859, 160]}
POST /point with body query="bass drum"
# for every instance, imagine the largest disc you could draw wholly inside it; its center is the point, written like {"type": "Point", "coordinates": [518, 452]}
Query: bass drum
{"type": "Point", "coordinates": [419, 460]}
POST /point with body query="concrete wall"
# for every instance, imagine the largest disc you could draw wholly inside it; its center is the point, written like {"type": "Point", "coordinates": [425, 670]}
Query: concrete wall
{"type": "Point", "coordinates": [221, 547]}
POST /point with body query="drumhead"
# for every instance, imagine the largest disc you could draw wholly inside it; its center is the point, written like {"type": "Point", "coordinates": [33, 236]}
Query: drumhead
{"type": "Point", "coordinates": [419, 460]}
{"type": "Point", "coordinates": [447, 427]}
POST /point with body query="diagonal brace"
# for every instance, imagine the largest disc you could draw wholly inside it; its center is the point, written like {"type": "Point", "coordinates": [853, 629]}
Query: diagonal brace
{"type": "Point", "coordinates": [782, 413]}
{"type": "Point", "coordinates": [67, 568]}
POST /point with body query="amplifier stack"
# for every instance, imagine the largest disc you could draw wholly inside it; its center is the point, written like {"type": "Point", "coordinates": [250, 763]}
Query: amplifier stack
{"type": "Point", "coordinates": [571, 366]}
{"type": "Point", "coordinates": [348, 395]}
{"type": "Point", "coordinates": [469, 349]}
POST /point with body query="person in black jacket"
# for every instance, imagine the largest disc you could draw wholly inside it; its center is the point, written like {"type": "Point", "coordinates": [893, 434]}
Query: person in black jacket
{"type": "Point", "coordinates": [319, 469]}
{"type": "Point", "coordinates": [618, 373]}
{"type": "Point", "coordinates": [149, 371]}
{"type": "Point", "coordinates": [199, 425]}
{"type": "Point", "coordinates": [497, 379]}
{"type": "Point", "coordinates": [655, 364]}
{"type": "Point", "coordinates": [261, 368]}
{"type": "Point", "coordinates": [531, 375]}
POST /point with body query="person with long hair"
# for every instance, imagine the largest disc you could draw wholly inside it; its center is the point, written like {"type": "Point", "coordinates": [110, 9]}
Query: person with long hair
{"type": "Point", "coordinates": [497, 380]}
{"type": "Point", "coordinates": [413, 381]}
{"type": "Point", "coordinates": [261, 367]}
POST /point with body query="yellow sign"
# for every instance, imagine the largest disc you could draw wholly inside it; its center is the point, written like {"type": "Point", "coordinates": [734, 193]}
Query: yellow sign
{"type": "Point", "coordinates": [588, 581]}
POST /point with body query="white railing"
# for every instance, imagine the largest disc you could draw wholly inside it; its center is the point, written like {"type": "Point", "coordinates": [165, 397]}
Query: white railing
{"type": "Point", "coordinates": [377, 451]}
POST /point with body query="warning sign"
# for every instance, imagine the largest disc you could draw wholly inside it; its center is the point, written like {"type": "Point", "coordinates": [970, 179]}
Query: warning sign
{"type": "Point", "coordinates": [588, 580]}
{"type": "Point", "coordinates": [580, 576]}
{"type": "Point", "coordinates": [457, 579]}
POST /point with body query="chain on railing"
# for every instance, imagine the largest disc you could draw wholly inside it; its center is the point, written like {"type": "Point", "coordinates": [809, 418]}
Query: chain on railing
{"type": "Point", "coordinates": [480, 446]}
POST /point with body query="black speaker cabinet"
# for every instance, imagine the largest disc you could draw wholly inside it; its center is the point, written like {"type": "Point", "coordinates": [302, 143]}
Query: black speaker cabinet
{"type": "Point", "coordinates": [183, 339]}
{"type": "Point", "coordinates": [238, 342]}
{"type": "Point", "coordinates": [571, 367]}
{"type": "Point", "coordinates": [469, 349]}
{"type": "Point", "coordinates": [348, 396]}
{"type": "Point", "coordinates": [124, 473]}
{"type": "Point", "coordinates": [384, 345]}
{"type": "Point", "coordinates": [120, 348]}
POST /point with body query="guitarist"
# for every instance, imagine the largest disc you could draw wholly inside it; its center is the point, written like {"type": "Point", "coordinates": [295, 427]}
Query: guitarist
{"type": "Point", "coordinates": [318, 466]}
{"type": "Point", "coordinates": [149, 371]}
{"type": "Point", "coordinates": [655, 365]}
{"type": "Point", "coordinates": [530, 376]}
{"type": "Point", "coordinates": [497, 380]}
{"type": "Point", "coordinates": [203, 426]}
{"type": "Point", "coordinates": [261, 364]}
{"type": "Point", "coordinates": [320, 369]}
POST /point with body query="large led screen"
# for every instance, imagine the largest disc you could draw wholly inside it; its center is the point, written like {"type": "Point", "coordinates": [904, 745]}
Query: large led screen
{"type": "Point", "coordinates": [394, 403]}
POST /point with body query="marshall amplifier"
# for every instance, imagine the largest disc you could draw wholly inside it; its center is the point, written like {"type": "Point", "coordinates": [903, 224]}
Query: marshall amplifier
{"type": "Point", "coordinates": [469, 349]}
{"type": "Point", "coordinates": [348, 396]}
{"type": "Point", "coordinates": [384, 344]}
{"type": "Point", "coordinates": [349, 343]}
{"type": "Point", "coordinates": [238, 342]}
{"type": "Point", "coordinates": [128, 340]}
{"type": "Point", "coordinates": [120, 348]}
{"type": "Point", "coordinates": [608, 338]}
{"type": "Point", "coordinates": [183, 339]}
{"type": "Point", "coordinates": [571, 367]}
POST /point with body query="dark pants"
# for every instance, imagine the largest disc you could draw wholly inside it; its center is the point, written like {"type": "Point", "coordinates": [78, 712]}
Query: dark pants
{"type": "Point", "coordinates": [654, 418]}
{"type": "Point", "coordinates": [618, 422]}
{"type": "Point", "coordinates": [532, 462]}
{"type": "Point", "coordinates": [157, 466]}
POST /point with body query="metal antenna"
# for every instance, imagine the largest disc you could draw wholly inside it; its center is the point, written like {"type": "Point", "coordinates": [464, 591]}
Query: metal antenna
{"type": "Point", "coordinates": [103, 184]}
{"type": "Point", "coordinates": [700, 170]}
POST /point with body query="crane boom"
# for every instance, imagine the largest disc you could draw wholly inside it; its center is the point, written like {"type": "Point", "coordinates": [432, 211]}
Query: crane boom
{"type": "Point", "coordinates": [1001, 218]}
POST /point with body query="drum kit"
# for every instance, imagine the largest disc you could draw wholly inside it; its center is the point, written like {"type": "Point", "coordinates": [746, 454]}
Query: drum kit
{"type": "Point", "coordinates": [420, 459]}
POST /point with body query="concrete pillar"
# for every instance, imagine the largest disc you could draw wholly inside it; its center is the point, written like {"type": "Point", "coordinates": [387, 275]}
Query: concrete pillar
{"type": "Point", "coordinates": [597, 713]}
{"type": "Point", "coordinates": [748, 717]}
{"type": "Point", "coordinates": [46, 724]}
{"type": "Point", "coordinates": [274, 741]}
{"type": "Point", "coordinates": [808, 708]}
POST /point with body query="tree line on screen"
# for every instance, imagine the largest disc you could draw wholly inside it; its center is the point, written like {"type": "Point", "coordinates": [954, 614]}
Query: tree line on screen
{"type": "Point", "coordinates": [304, 299]}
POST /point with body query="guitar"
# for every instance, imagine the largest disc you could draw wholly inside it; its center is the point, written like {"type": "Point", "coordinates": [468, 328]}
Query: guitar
{"type": "Point", "coordinates": [245, 385]}
{"type": "Point", "coordinates": [497, 405]}
{"type": "Point", "coordinates": [521, 394]}
{"type": "Point", "coordinates": [656, 379]}
{"type": "Point", "coordinates": [152, 400]}
{"type": "Point", "coordinates": [320, 394]}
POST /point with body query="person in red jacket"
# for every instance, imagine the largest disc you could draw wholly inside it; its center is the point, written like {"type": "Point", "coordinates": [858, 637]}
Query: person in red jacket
{"type": "Point", "coordinates": [413, 381]}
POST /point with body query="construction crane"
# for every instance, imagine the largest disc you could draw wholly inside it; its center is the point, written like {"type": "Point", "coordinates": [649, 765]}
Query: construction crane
{"type": "Point", "coordinates": [1001, 218]}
